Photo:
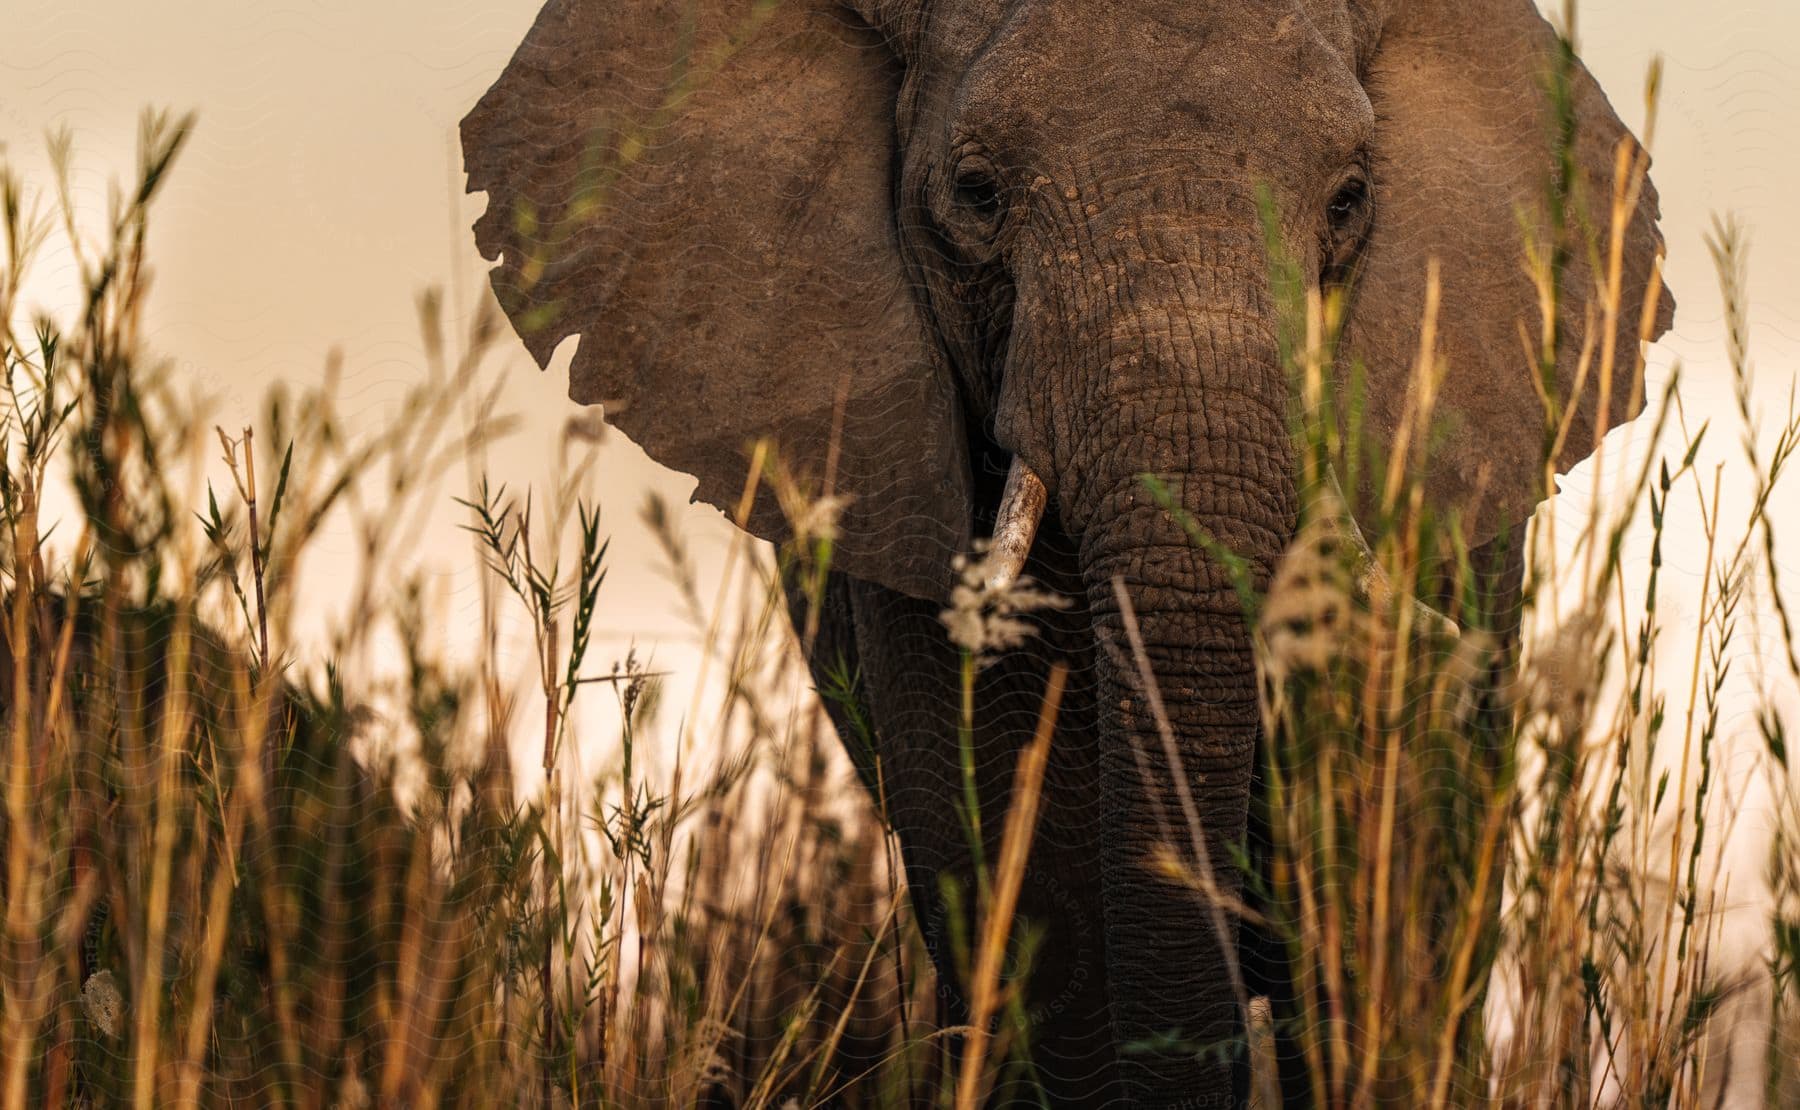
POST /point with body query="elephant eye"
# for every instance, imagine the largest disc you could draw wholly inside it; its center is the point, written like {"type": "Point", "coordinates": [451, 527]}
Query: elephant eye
{"type": "Point", "coordinates": [977, 198]}
{"type": "Point", "coordinates": [978, 192]}
{"type": "Point", "coordinates": [1350, 197]}
{"type": "Point", "coordinates": [1347, 204]}
{"type": "Point", "coordinates": [1348, 214]}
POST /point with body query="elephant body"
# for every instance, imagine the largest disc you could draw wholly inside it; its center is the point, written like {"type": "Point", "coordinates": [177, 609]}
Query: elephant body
{"type": "Point", "coordinates": [925, 244]}
{"type": "Point", "coordinates": [911, 689]}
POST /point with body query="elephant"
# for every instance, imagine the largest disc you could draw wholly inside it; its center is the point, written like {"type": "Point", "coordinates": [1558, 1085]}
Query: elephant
{"type": "Point", "coordinates": [978, 266]}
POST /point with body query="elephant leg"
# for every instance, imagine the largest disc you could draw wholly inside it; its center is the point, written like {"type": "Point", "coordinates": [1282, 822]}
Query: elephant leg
{"type": "Point", "coordinates": [833, 660]}
{"type": "Point", "coordinates": [911, 689]}
{"type": "Point", "coordinates": [930, 853]}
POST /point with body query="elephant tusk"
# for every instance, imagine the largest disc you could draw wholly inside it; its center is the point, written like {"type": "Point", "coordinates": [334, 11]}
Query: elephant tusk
{"type": "Point", "coordinates": [1021, 508]}
{"type": "Point", "coordinates": [1370, 583]}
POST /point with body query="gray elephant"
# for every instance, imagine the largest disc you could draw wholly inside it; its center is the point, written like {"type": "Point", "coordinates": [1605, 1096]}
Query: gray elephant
{"type": "Point", "coordinates": [931, 245]}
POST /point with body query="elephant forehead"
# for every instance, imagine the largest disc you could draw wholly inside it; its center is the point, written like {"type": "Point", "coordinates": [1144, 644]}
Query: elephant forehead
{"type": "Point", "coordinates": [1228, 74]}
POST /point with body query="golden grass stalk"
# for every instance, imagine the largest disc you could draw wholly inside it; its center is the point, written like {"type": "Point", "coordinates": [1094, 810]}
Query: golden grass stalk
{"type": "Point", "coordinates": [996, 929]}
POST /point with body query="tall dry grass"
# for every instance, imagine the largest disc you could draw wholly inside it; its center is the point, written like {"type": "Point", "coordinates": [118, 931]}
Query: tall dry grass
{"type": "Point", "coordinates": [1494, 874]}
{"type": "Point", "coordinates": [236, 875]}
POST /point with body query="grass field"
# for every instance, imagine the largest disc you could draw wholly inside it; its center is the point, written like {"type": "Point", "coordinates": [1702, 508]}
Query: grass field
{"type": "Point", "coordinates": [227, 880]}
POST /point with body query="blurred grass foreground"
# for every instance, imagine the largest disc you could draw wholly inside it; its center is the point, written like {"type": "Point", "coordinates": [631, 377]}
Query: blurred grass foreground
{"type": "Point", "coordinates": [232, 875]}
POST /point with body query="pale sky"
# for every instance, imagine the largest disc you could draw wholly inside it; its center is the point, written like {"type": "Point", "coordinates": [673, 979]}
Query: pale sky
{"type": "Point", "coordinates": [323, 190]}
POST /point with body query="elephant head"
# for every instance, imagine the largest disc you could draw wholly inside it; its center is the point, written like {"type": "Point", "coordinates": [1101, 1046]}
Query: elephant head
{"type": "Point", "coordinates": [888, 231]}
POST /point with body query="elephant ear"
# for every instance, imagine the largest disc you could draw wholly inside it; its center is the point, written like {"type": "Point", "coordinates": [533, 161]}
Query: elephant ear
{"type": "Point", "coordinates": [701, 191]}
{"type": "Point", "coordinates": [1464, 153]}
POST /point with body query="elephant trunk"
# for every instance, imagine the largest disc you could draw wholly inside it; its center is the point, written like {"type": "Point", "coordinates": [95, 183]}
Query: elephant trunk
{"type": "Point", "coordinates": [1179, 721]}
{"type": "Point", "coordinates": [1190, 390]}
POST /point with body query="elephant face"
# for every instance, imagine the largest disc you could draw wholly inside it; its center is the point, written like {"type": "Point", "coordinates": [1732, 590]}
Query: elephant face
{"type": "Point", "coordinates": [1084, 180]}
{"type": "Point", "coordinates": [875, 228]}
{"type": "Point", "coordinates": [885, 230]}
